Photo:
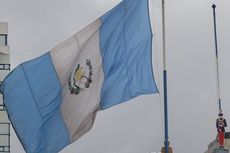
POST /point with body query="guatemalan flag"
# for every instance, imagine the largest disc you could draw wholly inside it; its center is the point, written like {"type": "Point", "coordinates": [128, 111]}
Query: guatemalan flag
{"type": "Point", "coordinates": [53, 100]}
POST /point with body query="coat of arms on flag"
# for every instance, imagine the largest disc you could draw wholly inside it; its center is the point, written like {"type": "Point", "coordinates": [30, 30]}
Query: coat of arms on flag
{"type": "Point", "coordinates": [81, 78]}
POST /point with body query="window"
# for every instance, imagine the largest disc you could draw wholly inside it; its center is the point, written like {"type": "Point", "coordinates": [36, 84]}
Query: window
{"type": "Point", "coordinates": [4, 137]}
{"type": "Point", "coordinates": [4, 66]}
{"type": "Point", "coordinates": [3, 40]}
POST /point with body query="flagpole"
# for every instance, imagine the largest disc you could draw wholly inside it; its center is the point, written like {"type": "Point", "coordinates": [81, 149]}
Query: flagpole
{"type": "Point", "coordinates": [217, 58]}
{"type": "Point", "coordinates": [166, 141]}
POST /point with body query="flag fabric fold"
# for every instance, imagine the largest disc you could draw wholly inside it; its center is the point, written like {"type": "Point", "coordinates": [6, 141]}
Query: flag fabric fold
{"type": "Point", "coordinates": [53, 100]}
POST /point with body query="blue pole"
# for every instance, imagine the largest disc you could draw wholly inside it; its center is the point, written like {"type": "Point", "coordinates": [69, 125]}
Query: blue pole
{"type": "Point", "coordinates": [166, 141]}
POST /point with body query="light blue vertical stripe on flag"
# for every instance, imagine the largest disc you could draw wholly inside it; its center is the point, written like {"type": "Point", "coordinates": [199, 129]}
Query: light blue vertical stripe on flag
{"type": "Point", "coordinates": [126, 44]}
{"type": "Point", "coordinates": [32, 95]}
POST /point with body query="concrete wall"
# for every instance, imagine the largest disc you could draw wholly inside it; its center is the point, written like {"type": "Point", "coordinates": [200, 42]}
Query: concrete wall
{"type": "Point", "coordinates": [4, 59]}
{"type": "Point", "coordinates": [4, 121]}
{"type": "Point", "coordinates": [4, 28]}
{"type": "Point", "coordinates": [227, 143]}
{"type": "Point", "coordinates": [213, 145]}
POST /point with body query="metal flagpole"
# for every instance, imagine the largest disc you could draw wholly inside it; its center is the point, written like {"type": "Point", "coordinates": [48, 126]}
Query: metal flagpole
{"type": "Point", "coordinates": [217, 58]}
{"type": "Point", "coordinates": [166, 141]}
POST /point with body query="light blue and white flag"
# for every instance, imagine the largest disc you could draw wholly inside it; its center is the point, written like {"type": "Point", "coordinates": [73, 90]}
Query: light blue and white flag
{"type": "Point", "coordinates": [53, 100]}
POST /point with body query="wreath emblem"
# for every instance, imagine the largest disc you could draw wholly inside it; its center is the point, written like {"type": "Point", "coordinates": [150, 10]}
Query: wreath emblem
{"type": "Point", "coordinates": [81, 78]}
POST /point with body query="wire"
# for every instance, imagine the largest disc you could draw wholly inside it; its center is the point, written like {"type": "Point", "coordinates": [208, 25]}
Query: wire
{"type": "Point", "coordinates": [157, 67]}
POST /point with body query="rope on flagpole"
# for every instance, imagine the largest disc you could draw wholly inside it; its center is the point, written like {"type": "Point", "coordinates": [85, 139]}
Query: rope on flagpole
{"type": "Point", "coordinates": [157, 66]}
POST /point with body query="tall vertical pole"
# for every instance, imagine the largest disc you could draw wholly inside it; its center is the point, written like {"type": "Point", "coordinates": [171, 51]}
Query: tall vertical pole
{"type": "Point", "coordinates": [166, 141]}
{"type": "Point", "coordinates": [217, 58]}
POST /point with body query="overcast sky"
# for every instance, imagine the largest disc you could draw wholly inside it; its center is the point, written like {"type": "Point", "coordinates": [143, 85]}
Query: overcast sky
{"type": "Point", "coordinates": [36, 26]}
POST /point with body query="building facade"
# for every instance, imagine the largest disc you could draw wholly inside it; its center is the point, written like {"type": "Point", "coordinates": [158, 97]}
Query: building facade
{"type": "Point", "coordinates": [4, 70]}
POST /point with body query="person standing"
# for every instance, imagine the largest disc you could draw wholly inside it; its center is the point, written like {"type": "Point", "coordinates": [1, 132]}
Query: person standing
{"type": "Point", "coordinates": [220, 125]}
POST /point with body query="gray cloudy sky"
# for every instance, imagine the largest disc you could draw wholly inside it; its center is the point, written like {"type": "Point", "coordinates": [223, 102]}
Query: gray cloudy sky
{"type": "Point", "coordinates": [36, 26]}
